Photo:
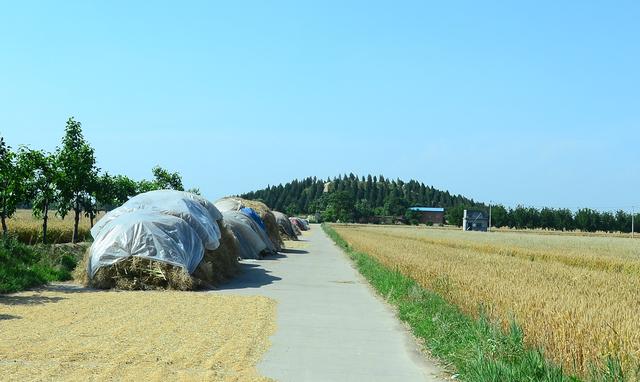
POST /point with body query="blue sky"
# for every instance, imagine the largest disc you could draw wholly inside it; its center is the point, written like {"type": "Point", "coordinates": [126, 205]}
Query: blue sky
{"type": "Point", "coordinates": [533, 102]}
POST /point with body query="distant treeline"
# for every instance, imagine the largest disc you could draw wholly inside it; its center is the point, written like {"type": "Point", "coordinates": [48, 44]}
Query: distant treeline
{"type": "Point", "coordinates": [67, 180]}
{"type": "Point", "coordinates": [562, 219]}
{"type": "Point", "coordinates": [349, 198]}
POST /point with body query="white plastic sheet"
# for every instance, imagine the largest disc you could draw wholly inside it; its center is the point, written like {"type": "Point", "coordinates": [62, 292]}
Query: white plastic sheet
{"type": "Point", "coordinates": [251, 244]}
{"type": "Point", "coordinates": [148, 234]}
{"type": "Point", "coordinates": [199, 213]}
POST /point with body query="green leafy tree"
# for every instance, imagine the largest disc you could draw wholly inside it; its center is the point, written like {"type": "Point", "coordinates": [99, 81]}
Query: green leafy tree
{"type": "Point", "coordinates": [12, 183]}
{"type": "Point", "coordinates": [363, 211]}
{"type": "Point", "coordinates": [455, 215]}
{"type": "Point", "coordinates": [162, 180]}
{"type": "Point", "coordinates": [41, 183]}
{"type": "Point", "coordinates": [123, 189]}
{"type": "Point", "coordinates": [78, 173]}
{"type": "Point", "coordinates": [396, 206]}
{"type": "Point", "coordinates": [412, 217]}
{"type": "Point", "coordinates": [499, 216]}
{"type": "Point", "coordinates": [166, 180]}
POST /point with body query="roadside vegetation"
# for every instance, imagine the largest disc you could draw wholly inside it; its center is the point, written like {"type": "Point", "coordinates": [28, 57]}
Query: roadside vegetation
{"type": "Point", "coordinates": [476, 349]}
{"type": "Point", "coordinates": [502, 307]}
{"type": "Point", "coordinates": [23, 266]}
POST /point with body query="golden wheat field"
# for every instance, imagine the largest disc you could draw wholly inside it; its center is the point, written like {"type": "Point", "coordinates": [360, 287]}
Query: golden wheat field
{"type": "Point", "coordinates": [576, 297]}
{"type": "Point", "coordinates": [28, 228]}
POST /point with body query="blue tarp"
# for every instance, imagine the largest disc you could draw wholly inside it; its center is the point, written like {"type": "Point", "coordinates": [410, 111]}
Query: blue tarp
{"type": "Point", "coordinates": [250, 212]}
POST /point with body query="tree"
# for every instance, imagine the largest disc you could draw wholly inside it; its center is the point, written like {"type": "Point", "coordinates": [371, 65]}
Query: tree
{"type": "Point", "coordinates": [396, 206]}
{"type": "Point", "coordinates": [12, 185]}
{"type": "Point", "coordinates": [41, 183]}
{"type": "Point", "coordinates": [363, 210]}
{"type": "Point", "coordinates": [166, 180]}
{"type": "Point", "coordinates": [499, 216]}
{"type": "Point", "coordinates": [340, 206]}
{"type": "Point", "coordinates": [455, 215]}
{"type": "Point", "coordinates": [78, 173]}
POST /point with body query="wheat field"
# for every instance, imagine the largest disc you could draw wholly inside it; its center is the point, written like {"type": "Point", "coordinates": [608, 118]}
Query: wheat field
{"type": "Point", "coordinates": [576, 297]}
{"type": "Point", "coordinates": [28, 229]}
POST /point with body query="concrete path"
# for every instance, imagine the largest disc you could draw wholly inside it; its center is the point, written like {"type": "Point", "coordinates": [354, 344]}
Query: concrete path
{"type": "Point", "coordinates": [330, 325]}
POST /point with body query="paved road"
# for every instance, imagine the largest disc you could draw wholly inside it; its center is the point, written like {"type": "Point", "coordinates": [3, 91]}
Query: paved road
{"type": "Point", "coordinates": [331, 326]}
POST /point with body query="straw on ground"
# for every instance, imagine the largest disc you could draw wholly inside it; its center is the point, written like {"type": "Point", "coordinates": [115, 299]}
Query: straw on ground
{"type": "Point", "coordinates": [54, 335]}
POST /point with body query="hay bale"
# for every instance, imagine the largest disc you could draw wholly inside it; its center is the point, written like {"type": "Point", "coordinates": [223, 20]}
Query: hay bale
{"type": "Point", "coordinates": [267, 217]}
{"type": "Point", "coordinates": [284, 225]}
{"type": "Point", "coordinates": [220, 264]}
{"type": "Point", "coordinates": [137, 273]}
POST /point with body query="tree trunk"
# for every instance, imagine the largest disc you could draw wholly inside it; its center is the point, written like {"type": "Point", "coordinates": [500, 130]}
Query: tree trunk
{"type": "Point", "coordinates": [44, 223]}
{"type": "Point", "coordinates": [76, 220]}
{"type": "Point", "coordinates": [4, 226]}
{"type": "Point", "coordinates": [92, 216]}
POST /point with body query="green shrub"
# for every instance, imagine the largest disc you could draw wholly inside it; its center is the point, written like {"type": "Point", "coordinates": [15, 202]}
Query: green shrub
{"type": "Point", "coordinates": [23, 266]}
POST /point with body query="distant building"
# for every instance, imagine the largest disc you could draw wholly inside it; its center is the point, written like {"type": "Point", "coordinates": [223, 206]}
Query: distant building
{"type": "Point", "coordinates": [426, 215]}
{"type": "Point", "coordinates": [475, 221]}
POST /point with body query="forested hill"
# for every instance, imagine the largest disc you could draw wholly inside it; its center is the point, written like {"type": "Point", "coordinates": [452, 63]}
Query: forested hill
{"type": "Point", "coordinates": [367, 196]}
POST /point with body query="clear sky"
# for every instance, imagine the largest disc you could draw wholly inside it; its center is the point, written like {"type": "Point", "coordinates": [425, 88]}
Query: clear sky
{"type": "Point", "coordinates": [534, 102]}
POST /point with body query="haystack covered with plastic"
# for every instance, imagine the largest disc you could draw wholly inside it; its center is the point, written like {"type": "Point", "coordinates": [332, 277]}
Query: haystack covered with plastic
{"type": "Point", "coordinates": [285, 226]}
{"type": "Point", "coordinates": [162, 239]}
{"type": "Point", "coordinates": [258, 212]}
{"type": "Point", "coordinates": [253, 245]}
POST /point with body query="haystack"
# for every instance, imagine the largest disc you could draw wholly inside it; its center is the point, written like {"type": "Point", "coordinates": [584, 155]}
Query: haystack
{"type": "Point", "coordinates": [161, 240]}
{"type": "Point", "coordinates": [267, 216]}
{"type": "Point", "coordinates": [295, 226]}
{"type": "Point", "coordinates": [252, 246]}
{"type": "Point", "coordinates": [137, 273]}
{"type": "Point", "coordinates": [284, 225]}
{"type": "Point", "coordinates": [220, 264]}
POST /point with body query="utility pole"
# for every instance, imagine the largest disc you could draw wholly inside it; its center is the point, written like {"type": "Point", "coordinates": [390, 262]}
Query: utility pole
{"type": "Point", "coordinates": [633, 217]}
{"type": "Point", "coordinates": [490, 201]}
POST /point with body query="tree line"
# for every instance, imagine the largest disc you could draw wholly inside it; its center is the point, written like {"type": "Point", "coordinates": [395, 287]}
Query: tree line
{"type": "Point", "coordinates": [561, 219]}
{"type": "Point", "coordinates": [67, 181]}
{"type": "Point", "coordinates": [349, 198]}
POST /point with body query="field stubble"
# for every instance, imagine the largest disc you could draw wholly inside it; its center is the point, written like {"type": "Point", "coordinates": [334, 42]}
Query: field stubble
{"type": "Point", "coordinates": [577, 298]}
{"type": "Point", "coordinates": [81, 335]}
{"type": "Point", "coordinates": [28, 229]}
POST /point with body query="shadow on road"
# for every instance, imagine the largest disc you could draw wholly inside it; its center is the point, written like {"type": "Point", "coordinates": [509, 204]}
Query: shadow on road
{"type": "Point", "coordinates": [250, 276]}
{"type": "Point", "coordinates": [295, 251]}
{"type": "Point", "coordinates": [34, 299]}
{"type": "Point", "coordinates": [9, 317]}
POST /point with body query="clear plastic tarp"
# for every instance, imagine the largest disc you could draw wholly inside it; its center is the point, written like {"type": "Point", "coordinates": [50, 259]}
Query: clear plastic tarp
{"type": "Point", "coordinates": [198, 212]}
{"type": "Point", "coordinates": [148, 234]}
{"type": "Point", "coordinates": [251, 244]}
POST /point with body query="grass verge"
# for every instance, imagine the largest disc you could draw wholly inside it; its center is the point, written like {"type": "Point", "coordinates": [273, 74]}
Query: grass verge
{"type": "Point", "coordinates": [477, 349]}
{"type": "Point", "coordinates": [23, 266]}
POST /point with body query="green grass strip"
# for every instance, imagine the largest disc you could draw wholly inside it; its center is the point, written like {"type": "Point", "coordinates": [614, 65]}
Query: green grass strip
{"type": "Point", "coordinates": [23, 266]}
{"type": "Point", "coordinates": [476, 349]}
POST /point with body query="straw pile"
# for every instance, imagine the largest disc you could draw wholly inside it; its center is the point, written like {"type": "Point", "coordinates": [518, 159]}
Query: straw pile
{"type": "Point", "coordinates": [220, 264]}
{"type": "Point", "coordinates": [137, 273]}
{"type": "Point", "coordinates": [269, 220]}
